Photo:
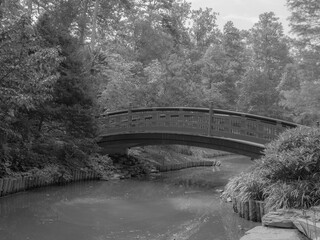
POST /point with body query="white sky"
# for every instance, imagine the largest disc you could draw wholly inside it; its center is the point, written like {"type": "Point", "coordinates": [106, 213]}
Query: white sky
{"type": "Point", "coordinates": [244, 13]}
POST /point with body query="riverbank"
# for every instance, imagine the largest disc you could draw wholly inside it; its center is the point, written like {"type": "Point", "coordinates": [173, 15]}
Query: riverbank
{"type": "Point", "coordinates": [17, 184]}
{"type": "Point", "coordinates": [100, 167]}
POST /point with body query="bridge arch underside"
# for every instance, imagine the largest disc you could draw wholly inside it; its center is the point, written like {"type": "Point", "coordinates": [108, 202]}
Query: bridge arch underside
{"type": "Point", "coordinates": [113, 144]}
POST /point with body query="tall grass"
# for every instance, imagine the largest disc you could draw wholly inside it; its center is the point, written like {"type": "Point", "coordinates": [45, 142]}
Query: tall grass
{"type": "Point", "coordinates": [288, 176]}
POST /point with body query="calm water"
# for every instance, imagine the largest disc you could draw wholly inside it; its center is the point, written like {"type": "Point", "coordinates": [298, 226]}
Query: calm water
{"type": "Point", "coordinates": [162, 209]}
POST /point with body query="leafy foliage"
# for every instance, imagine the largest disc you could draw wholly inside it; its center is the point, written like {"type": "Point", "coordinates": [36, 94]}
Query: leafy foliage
{"type": "Point", "coordinates": [269, 56]}
{"type": "Point", "coordinates": [43, 98]}
{"type": "Point", "coordinates": [304, 20]}
{"type": "Point", "coordinates": [287, 176]}
{"type": "Point", "coordinates": [101, 164]}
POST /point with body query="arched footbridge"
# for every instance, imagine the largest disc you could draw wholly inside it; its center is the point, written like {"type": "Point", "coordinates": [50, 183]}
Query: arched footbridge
{"type": "Point", "coordinates": [230, 131]}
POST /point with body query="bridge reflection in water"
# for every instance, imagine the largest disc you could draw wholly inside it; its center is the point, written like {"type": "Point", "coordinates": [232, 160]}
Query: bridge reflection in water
{"type": "Point", "coordinates": [230, 131]}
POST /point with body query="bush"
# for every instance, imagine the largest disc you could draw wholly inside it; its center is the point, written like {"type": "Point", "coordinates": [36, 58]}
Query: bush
{"type": "Point", "coordinates": [288, 176]}
{"type": "Point", "coordinates": [101, 164]}
{"type": "Point", "coordinates": [51, 173]}
{"type": "Point", "coordinates": [295, 155]}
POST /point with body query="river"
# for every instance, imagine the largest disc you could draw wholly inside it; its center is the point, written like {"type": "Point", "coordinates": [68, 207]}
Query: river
{"type": "Point", "coordinates": [169, 207]}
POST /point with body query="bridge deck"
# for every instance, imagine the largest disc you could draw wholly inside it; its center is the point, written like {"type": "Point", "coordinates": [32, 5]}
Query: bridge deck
{"type": "Point", "coordinates": [225, 126]}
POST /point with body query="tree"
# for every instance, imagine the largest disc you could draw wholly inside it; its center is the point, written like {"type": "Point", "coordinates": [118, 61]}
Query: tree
{"type": "Point", "coordinates": [223, 64]}
{"type": "Point", "coordinates": [204, 27]}
{"type": "Point", "coordinates": [269, 54]}
{"type": "Point", "coordinates": [305, 20]}
{"type": "Point", "coordinates": [299, 87]}
{"type": "Point", "coordinates": [27, 77]}
{"type": "Point", "coordinates": [83, 21]}
{"type": "Point", "coordinates": [158, 29]}
{"type": "Point", "coordinates": [28, 71]}
{"type": "Point", "coordinates": [94, 24]}
{"type": "Point", "coordinates": [303, 103]}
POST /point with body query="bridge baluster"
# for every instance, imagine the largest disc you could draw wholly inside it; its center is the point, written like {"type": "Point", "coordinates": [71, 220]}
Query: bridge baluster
{"type": "Point", "coordinates": [180, 121]}
{"type": "Point", "coordinates": [259, 130]}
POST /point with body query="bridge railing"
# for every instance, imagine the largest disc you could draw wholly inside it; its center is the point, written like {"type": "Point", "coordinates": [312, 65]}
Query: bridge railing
{"type": "Point", "coordinates": [194, 121]}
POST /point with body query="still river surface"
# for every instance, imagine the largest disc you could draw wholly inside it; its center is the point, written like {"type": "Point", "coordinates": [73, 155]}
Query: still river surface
{"type": "Point", "coordinates": [182, 205]}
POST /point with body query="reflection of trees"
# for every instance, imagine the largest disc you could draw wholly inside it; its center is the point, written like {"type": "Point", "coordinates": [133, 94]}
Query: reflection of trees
{"type": "Point", "coordinates": [30, 209]}
{"type": "Point", "coordinates": [39, 199]}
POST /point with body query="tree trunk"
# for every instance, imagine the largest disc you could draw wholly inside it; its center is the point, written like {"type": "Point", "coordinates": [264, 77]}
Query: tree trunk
{"type": "Point", "coordinates": [94, 24]}
{"type": "Point", "coordinates": [83, 22]}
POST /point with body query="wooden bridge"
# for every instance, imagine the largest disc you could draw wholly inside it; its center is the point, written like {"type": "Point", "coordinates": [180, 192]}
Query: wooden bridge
{"type": "Point", "coordinates": [230, 131]}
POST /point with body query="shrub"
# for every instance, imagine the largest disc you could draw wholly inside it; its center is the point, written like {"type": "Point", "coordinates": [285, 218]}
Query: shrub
{"type": "Point", "coordinates": [295, 155]}
{"type": "Point", "coordinates": [51, 174]}
{"type": "Point", "coordinates": [101, 164]}
{"type": "Point", "coordinates": [287, 176]}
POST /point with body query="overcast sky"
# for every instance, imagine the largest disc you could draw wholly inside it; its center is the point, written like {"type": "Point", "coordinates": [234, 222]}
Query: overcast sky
{"type": "Point", "coordinates": [244, 13]}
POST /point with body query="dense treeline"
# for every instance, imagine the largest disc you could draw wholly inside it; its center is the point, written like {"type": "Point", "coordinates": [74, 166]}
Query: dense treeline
{"type": "Point", "coordinates": [65, 62]}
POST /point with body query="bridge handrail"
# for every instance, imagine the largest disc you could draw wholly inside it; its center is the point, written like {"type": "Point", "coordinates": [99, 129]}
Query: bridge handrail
{"type": "Point", "coordinates": [269, 120]}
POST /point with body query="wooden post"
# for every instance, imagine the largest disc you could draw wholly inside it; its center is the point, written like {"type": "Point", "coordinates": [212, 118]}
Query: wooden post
{"type": "Point", "coordinates": [210, 119]}
{"type": "Point", "coordinates": [14, 185]}
{"type": "Point", "coordinates": [27, 182]}
{"type": "Point", "coordinates": [9, 189]}
{"type": "Point", "coordinates": [20, 184]}
{"type": "Point", "coordinates": [258, 211]}
{"type": "Point", "coordinates": [252, 211]}
{"type": "Point", "coordinates": [262, 212]}
{"type": "Point", "coordinates": [235, 205]}
{"type": "Point", "coordinates": [246, 210]}
{"type": "Point", "coordinates": [5, 186]}
{"type": "Point", "coordinates": [240, 209]}
{"type": "Point", "coordinates": [23, 183]}
{"type": "Point", "coordinates": [1, 186]}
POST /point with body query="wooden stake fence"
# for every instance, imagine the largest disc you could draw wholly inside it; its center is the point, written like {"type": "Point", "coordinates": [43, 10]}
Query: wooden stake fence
{"type": "Point", "coordinates": [13, 185]}
{"type": "Point", "coordinates": [250, 210]}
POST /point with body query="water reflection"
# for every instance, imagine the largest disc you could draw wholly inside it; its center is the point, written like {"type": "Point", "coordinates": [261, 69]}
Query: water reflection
{"type": "Point", "coordinates": [163, 209]}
